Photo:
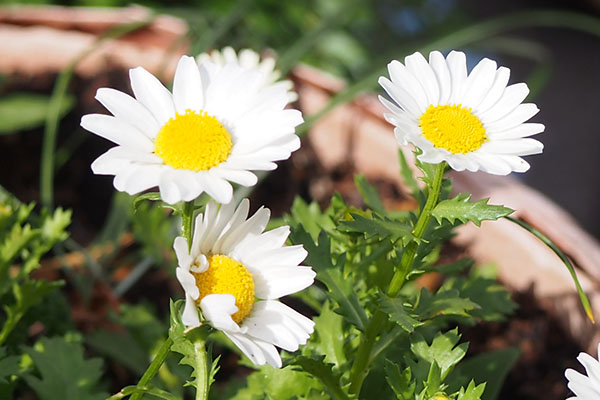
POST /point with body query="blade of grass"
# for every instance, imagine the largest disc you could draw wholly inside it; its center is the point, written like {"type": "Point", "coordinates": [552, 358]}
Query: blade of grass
{"type": "Point", "coordinates": [544, 239]}
{"type": "Point", "coordinates": [47, 162]}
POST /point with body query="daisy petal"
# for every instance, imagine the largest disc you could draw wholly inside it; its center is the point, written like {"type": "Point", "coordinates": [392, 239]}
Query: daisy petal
{"type": "Point", "coordinates": [187, 86]}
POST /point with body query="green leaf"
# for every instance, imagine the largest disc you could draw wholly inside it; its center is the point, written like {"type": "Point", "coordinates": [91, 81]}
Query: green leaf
{"type": "Point", "coordinates": [434, 379]}
{"type": "Point", "coordinates": [472, 393]}
{"type": "Point", "coordinates": [121, 347]}
{"type": "Point", "coordinates": [191, 345]}
{"type": "Point", "coordinates": [342, 289]}
{"type": "Point", "coordinates": [491, 367]}
{"type": "Point", "coordinates": [156, 392]}
{"type": "Point", "coordinates": [330, 336]}
{"type": "Point", "coordinates": [64, 374]}
{"type": "Point", "coordinates": [407, 174]}
{"type": "Point", "coordinates": [277, 384]}
{"type": "Point", "coordinates": [462, 209]}
{"type": "Point", "coordinates": [8, 365]}
{"type": "Point", "coordinates": [377, 226]}
{"type": "Point", "coordinates": [442, 350]}
{"type": "Point", "coordinates": [26, 294]}
{"type": "Point", "coordinates": [369, 194]}
{"type": "Point", "coordinates": [546, 240]}
{"type": "Point", "coordinates": [444, 302]}
{"type": "Point", "coordinates": [492, 299]}
{"type": "Point", "coordinates": [309, 216]}
{"type": "Point", "coordinates": [324, 372]}
{"type": "Point", "coordinates": [399, 313]}
{"type": "Point", "coordinates": [151, 196]}
{"type": "Point", "coordinates": [401, 382]}
{"type": "Point", "coordinates": [22, 111]}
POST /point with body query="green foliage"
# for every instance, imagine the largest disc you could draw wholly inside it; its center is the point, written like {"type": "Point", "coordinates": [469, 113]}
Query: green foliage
{"type": "Point", "coordinates": [330, 379]}
{"type": "Point", "coordinates": [23, 111]}
{"type": "Point", "coordinates": [400, 381]}
{"type": "Point", "coordinates": [442, 351]}
{"type": "Point", "coordinates": [462, 209]}
{"type": "Point", "coordinates": [278, 384]}
{"type": "Point", "coordinates": [62, 371]}
{"type": "Point", "coordinates": [330, 273]}
{"type": "Point", "coordinates": [379, 227]}
{"type": "Point", "coordinates": [369, 194]}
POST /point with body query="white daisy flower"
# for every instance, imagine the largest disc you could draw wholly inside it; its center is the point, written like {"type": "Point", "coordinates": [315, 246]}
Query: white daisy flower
{"type": "Point", "coordinates": [474, 122]}
{"type": "Point", "coordinates": [585, 387]}
{"type": "Point", "coordinates": [220, 122]}
{"type": "Point", "coordinates": [235, 273]}
{"type": "Point", "coordinates": [249, 59]}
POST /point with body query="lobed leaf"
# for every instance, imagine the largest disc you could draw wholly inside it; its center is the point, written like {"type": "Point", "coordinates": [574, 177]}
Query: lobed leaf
{"type": "Point", "coordinates": [462, 209]}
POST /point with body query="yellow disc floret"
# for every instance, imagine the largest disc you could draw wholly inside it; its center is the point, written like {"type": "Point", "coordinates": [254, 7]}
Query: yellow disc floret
{"type": "Point", "coordinates": [193, 141]}
{"type": "Point", "coordinates": [453, 127]}
{"type": "Point", "coordinates": [227, 276]}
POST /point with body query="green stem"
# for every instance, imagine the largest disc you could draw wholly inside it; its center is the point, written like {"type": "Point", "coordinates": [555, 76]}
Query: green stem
{"type": "Point", "coordinates": [188, 222]}
{"type": "Point", "coordinates": [159, 359]}
{"type": "Point", "coordinates": [203, 370]}
{"type": "Point", "coordinates": [360, 368]}
{"type": "Point", "coordinates": [411, 250]}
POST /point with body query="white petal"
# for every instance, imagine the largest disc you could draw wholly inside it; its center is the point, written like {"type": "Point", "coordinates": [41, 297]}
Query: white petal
{"type": "Point", "coordinates": [190, 313]}
{"type": "Point", "coordinates": [244, 178]}
{"type": "Point", "coordinates": [522, 113]}
{"type": "Point", "coordinates": [187, 86]}
{"type": "Point", "coordinates": [495, 92]}
{"type": "Point", "coordinates": [217, 309]}
{"type": "Point", "coordinates": [420, 69]}
{"type": "Point", "coordinates": [117, 131]}
{"type": "Point", "coordinates": [125, 107]}
{"type": "Point", "coordinates": [457, 64]}
{"type": "Point", "coordinates": [523, 130]}
{"type": "Point", "coordinates": [231, 232]}
{"type": "Point", "coordinates": [403, 98]}
{"type": "Point", "coordinates": [137, 178]}
{"type": "Point", "coordinates": [249, 347]}
{"type": "Point", "coordinates": [273, 283]}
{"type": "Point", "coordinates": [184, 259]}
{"type": "Point", "coordinates": [219, 189]}
{"type": "Point", "coordinates": [440, 68]}
{"type": "Point", "coordinates": [512, 97]}
{"type": "Point", "coordinates": [519, 147]}
{"type": "Point", "coordinates": [479, 83]}
{"type": "Point", "coordinates": [188, 282]}
{"type": "Point", "coordinates": [152, 94]}
{"type": "Point", "coordinates": [403, 78]}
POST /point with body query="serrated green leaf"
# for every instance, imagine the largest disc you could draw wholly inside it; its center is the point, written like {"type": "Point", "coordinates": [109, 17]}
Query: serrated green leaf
{"type": "Point", "coordinates": [309, 216]}
{"type": "Point", "coordinates": [191, 345]}
{"type": "Point", "coordinates": [64, 374]}
{"type": "Point", "coordinates": [399, 313]}
{"type": "Point", "coordinates": [491, 367]}
{"type": "Point", "coordinates": [324, 373]}
{"type": "Point", "coordinates": [26, 295]}
{"type": "Point", "coordinates": [434, 379]}
{"type": "Point", "coordinates": [330, 336]}
{"type": "Point", "coordinates": [377, 226]}
{"type": "Point", "coordinates": [442, 350]}
{"type": "Point", "coordinates": [493, 299]}
{"type": "Point", "coordinates": [444, 302]}
{"type": "Point", "coordinates": [278, 384]}
{"type": "Point", "coordinates": [21, 111]}
{"type": "Point", "coordinates": [369, 194]}
{"type": "Point", "coordinates": [472, 392]}
{"type": "Point", "coordinates": [401, 382]}
{"type": "Point", "coordinates": [462, 209]}
{"type": "Point", "coordinates": [341, 288]}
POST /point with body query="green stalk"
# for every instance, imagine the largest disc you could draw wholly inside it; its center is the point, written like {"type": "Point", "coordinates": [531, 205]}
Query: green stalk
{"type": "Point", "coordinates": [360, 368]}
{"type": "Point", "coordinates": [159, 359]}
{"type": "Point", "coordinates": [202, 369]}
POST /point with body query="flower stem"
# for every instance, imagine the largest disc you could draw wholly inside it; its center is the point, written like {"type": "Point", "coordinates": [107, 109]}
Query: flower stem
{"type": "Point", "coordinates": [188, 222]}
{"type": "Point", "coordinates": [159, 359]}
{"type": "Point", "coordinates": [203, 370]}
{"type": "Point", "coordinates": [360, 368]}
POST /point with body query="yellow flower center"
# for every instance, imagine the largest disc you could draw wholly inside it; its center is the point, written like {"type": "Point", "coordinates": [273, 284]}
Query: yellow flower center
{"type": "Point", "coordinates": [193, 141]}
{"type": "Point", "coordinates": [227, 276]}
{"type": "Point", "coordinates": [453, 128]}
